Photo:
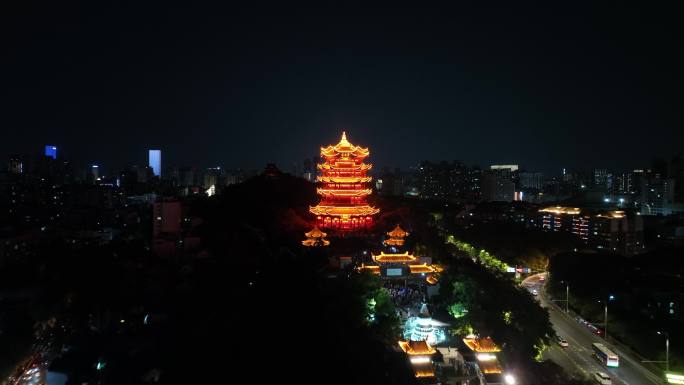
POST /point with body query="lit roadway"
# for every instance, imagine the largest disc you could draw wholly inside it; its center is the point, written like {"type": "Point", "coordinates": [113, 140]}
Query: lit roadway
{"type": "Point", "coordinates": [577, 357]}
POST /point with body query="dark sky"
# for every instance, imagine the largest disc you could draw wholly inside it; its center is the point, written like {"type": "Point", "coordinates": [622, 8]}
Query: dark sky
{"type": "Point", "coordinates": [575, 86]}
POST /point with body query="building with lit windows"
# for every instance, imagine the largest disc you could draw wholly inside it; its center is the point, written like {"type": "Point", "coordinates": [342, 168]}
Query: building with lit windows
{"type": "Point", "coordinates": [657, 195]}
{"type": "Point", "coordinates": [344, 188]}
{"type": "Point", "coordinates": [559, 218]}
{"type": "Point", "coordinates": [499, 183]}
{"type": "Point", "coordinates": [15, 165]}
{"type": "Point", "coordinates": [532, 180]}
{"type": "Point", "coordinates": [616, 232]}
{"type": "Point", "coordinates": [445, 181]}
{"type": "Point", "coordinates": [613, 231]}
{"type": "Point", "coordinates": [603, 179]}
{"type": "Point", "coordinates": [580, 226]}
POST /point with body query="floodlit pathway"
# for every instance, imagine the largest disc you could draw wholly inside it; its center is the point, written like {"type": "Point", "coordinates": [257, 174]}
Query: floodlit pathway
{"type": "Point", "coordinates": [577, 358]}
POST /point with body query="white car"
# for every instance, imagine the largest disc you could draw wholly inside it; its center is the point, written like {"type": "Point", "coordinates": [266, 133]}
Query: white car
{"type": "Point", "coordinates": [602, 378]}
{"type": "Point", "coordinates": [563, 343]}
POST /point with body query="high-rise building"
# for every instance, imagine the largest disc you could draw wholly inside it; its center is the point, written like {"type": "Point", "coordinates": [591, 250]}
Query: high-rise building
{"type": "Point", "coordinates": [185, 176]}
{"type": "Point", "coordinates": [15, 165]}
{"type": "Point", "coordinates": [616, 232]}
{"type": "Point", "coordinates": [211, 177]}
{"type": "Point", "coordinates": [447, 180]}
{"type": "Point", "coordinates": [155, 162]}
{"type": "Point", "coordinates": [510, 167]}
{"type": "Point", "coordinates": [95, 172]}
{"type": "Point", "coordinates": [613, 231]}
{"type": "Point", "coordinates": [51, 151]}
{"type": "Point", "coordinates": [499, 183]}
{"type": "Point", "coordinates": [166, 217]}
{"type": "Point", "coordinates": [626, 182]}
{"type": "Point", "coordinates": [532, 180]}
{"type": "Point", "coordinates": [657, 194]}
{"type": "Point", "coordinates": [603, 179]}
{"type": "Point", "coordinates": [390, 182]}
{"type": "Point", "coordinates": [559, 218]}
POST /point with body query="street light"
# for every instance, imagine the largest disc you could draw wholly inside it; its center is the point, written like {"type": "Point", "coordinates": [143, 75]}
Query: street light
{"type": "Point", "coordinates": [567, 296]}
{"type": "Point", "coordinates": [509, 379]}
{"type": "Point", "coordinates": [605, 317]}
{"type": "Point", "coordinates": [667, 350]}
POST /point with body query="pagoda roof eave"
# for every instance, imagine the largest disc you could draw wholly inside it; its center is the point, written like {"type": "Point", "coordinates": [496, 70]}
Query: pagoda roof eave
{"type": "Point", "coordinates": [394, 258]}
{"type": "Point", "coordinates": [344, 193]}
{"type": "Point", "coordinates": [481, 345]}
{"type": "Point", "coordinates": [344, 147]}
{"type": "Point", "coordinates": [344, 179]}
{"type": "Point", "coordinates": [393, 242]}
{"type": "Point", "coordinates": [356, 167]}
{"type": "Point", "coordinates": [315, 233]}
{"type": "Point", "coordinates": [398, 232]}
{"type": "Point", "coordinates": [344, 210]}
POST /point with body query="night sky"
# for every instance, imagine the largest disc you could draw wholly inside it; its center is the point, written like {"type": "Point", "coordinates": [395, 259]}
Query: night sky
{"type": "Point", "coordinates": [238, 87]}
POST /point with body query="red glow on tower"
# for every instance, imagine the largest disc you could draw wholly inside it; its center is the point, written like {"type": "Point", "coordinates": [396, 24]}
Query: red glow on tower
{"type": "Point", "coordinates": [344, 188]}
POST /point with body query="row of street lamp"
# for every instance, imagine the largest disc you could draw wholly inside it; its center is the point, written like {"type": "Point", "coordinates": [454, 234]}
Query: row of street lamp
{"type": "Point", "coordinates": [605, 325]}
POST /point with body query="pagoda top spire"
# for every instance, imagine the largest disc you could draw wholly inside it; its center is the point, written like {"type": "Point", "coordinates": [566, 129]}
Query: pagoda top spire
{"type": "Point", "coordinates": [315, 233]}
{"type": "Point", "coordinates": [344, 147]}
{"type": "Point", "coordinates": [398, 232]}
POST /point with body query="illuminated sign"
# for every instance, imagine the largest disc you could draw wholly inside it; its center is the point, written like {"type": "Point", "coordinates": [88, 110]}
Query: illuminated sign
{"type": "Point", "coordinates": [394, 272]}
{"type": "Point", "coordinates": [51, 151]}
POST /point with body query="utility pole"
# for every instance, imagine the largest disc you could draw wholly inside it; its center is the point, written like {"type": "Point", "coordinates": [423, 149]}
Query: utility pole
{"type": "Point", "coordinates": [567, 298]}
{"type": "Point", "coordinates": [667, 353]}
{"type": "Point", "coordinates": [605, 322]}
{"type": "Point", "coordinates": [605, 316]}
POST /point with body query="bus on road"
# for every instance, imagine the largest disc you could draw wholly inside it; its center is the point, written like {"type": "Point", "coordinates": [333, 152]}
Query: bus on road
{"type": "Point", "coordinates": [606, 356]}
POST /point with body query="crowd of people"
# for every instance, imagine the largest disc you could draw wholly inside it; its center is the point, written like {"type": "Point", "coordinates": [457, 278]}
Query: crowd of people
{"type": "Point", "coordinates": [406, 299]}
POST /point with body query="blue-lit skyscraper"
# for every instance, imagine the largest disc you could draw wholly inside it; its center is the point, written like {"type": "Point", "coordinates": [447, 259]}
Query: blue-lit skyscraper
{"type": "Point", "coordinates": [155, 162]}
{"type": "Point", "coordinates": [51, 151]}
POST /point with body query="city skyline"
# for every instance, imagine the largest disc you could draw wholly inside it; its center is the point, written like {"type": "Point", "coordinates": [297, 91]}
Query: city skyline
{"type": "Point", "coordinates": [297, 166]}
{"type": "Point", "coordinates": [453, 193]}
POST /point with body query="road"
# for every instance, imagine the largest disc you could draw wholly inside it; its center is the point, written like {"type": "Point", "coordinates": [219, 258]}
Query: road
{"type": "Point", "coordinates": [577, 357]}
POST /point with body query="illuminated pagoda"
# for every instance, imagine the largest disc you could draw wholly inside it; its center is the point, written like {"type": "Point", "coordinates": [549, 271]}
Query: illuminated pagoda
{"type": "Point", "coordinates": [396, 237]}
{"type": "Point", "coordinates": [344, 188]}
{"type": "Point", "coordinates": [315, 237]}
{"type": "Point", "coordinates": [424, 328]}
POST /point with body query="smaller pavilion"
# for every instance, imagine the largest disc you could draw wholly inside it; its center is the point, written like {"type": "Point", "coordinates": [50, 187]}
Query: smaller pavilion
{"type": "Point", "coordinates": [424, 328]}
{"type": "Point", "coordinates": [485, 352]}
{"type": "Point", "coordinates": [396, 237]}
{"type": "Point", "coordinates": [315, 238]}
{"type": "Point", "coordinates": [403, 265]}
{"type": "Point", "coordinates": [420, 355]}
